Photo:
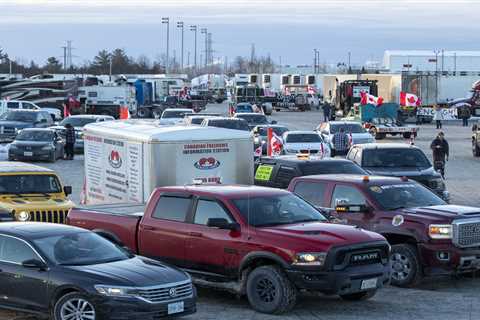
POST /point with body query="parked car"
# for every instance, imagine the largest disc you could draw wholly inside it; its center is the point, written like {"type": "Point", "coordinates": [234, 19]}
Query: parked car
{"type": "Point", "coordinates": [310, 142]}
{"type": "Point", "coordinates": [260, 242]}
{"type": "Point", "coordinates": [78, 122]}
{"type": "Point", "coordinates": [32, 193]}
{"type": "Point", "coordinates": [399, 160]}
{"type": "Point", "coordinates": [277, 172]}
{"type": "Point", "coordinates": [6, 105]}
{"type": "Point", "coordinates": [243, 107]}
{"type": "Point", "coordinates": [357, 133]}
{"type": "Point", "coordinates": [36, 144]}
{"type": "Point", "coordinates": [254, 119]}
{"type": "Point", "coordinates": [428, 237]}
{"type": "Point", "coordinates": [260, 133]}
{"type": "Point", "coordinates": [197, 119]}
{"type": "Point", "coordinates": [12, 121]}
{"type": "Point", "coordinates": [227, 123]}
{"type": "Point", "coordinates": [476, 140]}
{"type": "Point", "coordinates": [380, 127]}
{"type": "Point", "coordinates": [62, 272]}
{"type": "Point", "coordinates": [173, 116]}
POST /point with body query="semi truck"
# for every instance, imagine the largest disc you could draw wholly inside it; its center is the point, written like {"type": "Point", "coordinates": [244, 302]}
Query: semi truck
{"type": "Point", "coordinates": [349, 92]}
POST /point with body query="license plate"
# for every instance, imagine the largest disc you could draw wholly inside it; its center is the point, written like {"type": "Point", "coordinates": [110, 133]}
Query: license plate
{"type": "Point", "coordinates": [369, 284]}
{"type": "Point", "coordinates": [28, 154]}
{"type": "Point", "coordinates": [176, 307]}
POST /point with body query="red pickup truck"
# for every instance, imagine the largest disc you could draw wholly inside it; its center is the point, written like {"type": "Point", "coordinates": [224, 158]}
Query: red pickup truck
{"type": "Point", "coordinates": [428, 237]}
{"type": "Point", "coordinates": [263, 242]}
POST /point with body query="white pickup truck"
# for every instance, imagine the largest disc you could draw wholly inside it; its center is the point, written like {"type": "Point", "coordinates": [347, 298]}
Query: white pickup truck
{"type": "Point", "coordinates": [6, 105]}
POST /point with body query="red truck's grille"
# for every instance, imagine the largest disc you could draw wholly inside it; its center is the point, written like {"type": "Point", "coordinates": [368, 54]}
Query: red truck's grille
{"type": "Point", "coordinates": [166, 293]}
{"type": "Point", "coordinates": [361, 255]}
{"type": "Point", "coordinates": [466, 233]}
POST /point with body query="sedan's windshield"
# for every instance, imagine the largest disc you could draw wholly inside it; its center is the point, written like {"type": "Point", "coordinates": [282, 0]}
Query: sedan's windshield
{"type": "Point", "coordinates": [229, 124]}
{"type": "Point", "coordinates": [303, 138]}
{"type": "Point", "coordinates": [395, 158]}
{"type": "Point", "coordinates": [404, 195]}
{"type": "Point", "coordinates": [76, 122]}
{"type": "Point", "coordinates": [253, 118]}
{"type": "Point", "coordinates": [349, 128]}
{"type": "Point", "coordinates": [279, 131]}
{"type": "Point", "coordinates": [173, 114]}
{"type": "Point", "coordinates": [29, 184]}
{"type": "Point", "coordinates": [78, 249]}
{"type": "Point", "coordinates": [19, 116]}
{"type": "Point", "coordinates": [35, 135]}
{"type": "Point", "coordinates": [276, 210]}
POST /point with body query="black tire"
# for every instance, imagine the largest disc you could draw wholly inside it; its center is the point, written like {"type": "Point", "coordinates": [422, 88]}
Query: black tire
{"type": "Point", "coordinates": [11, 158]}
{"type": "Point", "coordinates": [475, 149]}
{"type": "Point", "coordinates": [359, 296]}
{"type": "Point", "coordinates": [52, 157]}
{"type": "Point", "coordinates": [144, 113]}
{"type": "Point", "coordinates": [62, 306]}
{"type": "Point", "coordinates": [270, 291]}
{"type": "Point", "coordinates": [406, 269]}
{"type": "Point", "coordinates": [380, 136]}
{"type": "Point", "coordinates": [407, 135]}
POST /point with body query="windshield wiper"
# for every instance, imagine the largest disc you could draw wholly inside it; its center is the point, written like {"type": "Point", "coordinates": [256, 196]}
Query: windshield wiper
{"type": "Point", "coordinates": [308, 220]}
{"type": "Point", "coordinates": [397, 208]}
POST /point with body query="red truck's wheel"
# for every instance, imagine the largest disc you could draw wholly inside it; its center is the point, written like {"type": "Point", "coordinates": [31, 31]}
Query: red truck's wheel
{"type": "Point", "coordinates": [406, 270]}
{"type": "Point", "coordinates": [270, 291]}
{"type": "Point", "coordinates": [365, 295]}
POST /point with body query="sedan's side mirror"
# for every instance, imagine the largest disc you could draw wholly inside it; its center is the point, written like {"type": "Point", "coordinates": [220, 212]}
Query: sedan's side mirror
{"type": "Point", "coordinates": [273, 122]}
{"type": "Point", "coordinates": [222, 223]}
{"type": "Point", "coordinates": [34, 264]}
{"type": "Point", "coordinates": [67, 190]}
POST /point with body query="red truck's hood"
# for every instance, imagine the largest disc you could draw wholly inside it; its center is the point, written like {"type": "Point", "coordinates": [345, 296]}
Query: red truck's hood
{"type": "Point", "coordinates": [324, 234]}
{"type": "Point", "coordinates": [443, 213]}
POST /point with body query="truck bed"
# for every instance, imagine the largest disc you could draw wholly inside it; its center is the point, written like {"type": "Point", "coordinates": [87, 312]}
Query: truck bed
{"type": "Point", "coordinates": [118, 220]}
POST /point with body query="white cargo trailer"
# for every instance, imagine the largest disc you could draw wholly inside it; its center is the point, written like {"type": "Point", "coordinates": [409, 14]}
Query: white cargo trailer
{"type": "Point", "coordinates": [126, 160]}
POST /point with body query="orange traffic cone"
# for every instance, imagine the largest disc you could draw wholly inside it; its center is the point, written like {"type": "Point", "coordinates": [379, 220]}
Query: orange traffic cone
{"type": "Point", "coordinates": [124, 113]}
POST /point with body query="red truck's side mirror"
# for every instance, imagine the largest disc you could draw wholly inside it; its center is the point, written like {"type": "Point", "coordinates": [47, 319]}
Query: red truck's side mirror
{"type": "Point", "coordinates": [222, 223]}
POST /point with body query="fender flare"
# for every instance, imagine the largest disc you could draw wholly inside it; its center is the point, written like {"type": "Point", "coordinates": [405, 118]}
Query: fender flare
{"type": "Point", "coordinates": [252, 256]}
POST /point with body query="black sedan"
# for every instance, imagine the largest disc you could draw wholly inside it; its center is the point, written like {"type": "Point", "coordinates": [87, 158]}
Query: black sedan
{"type": "Point", "coordinates": [36, 144]}
{"type": "Point", "coordinates": [68, 273]}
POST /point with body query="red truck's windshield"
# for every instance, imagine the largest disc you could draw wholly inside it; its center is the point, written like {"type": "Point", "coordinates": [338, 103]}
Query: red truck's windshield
{"type": "Point", "coordinates": [404, 195]}
{"type": "Point", "coordinates": [276, 210]}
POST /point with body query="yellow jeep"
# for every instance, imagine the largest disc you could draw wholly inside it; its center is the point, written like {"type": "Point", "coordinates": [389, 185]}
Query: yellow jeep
{"type": "Point", "coordinates": [32, 193]}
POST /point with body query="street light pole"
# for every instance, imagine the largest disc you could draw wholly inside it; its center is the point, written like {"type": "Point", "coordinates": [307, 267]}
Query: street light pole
{"type": "Point", "coordinates": [194, 29]}
{"type": "Point", "coordinates": [180, 25]}
{"type": "Point", "coordinates": [204, 31]}
{"type": "Point", "coordinates": [166, 21]}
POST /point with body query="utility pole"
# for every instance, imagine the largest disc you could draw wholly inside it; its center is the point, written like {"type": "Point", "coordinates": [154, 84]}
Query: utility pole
{"type": "Point", "coordinates": [64, 58]}
{"type": "Point", "coordinates": [110, 71]}
{"type": "Point", "coordinates": [188, 58]}
{"type": "Point", "coordinates": [166, 20]}
{"type": "Point", "coordinates": [205, 32]}
{"type": "Point", "coordinates": [455, 64]}
{"type": "Point", "coordinates": [315, 61]}
{"type": "Point", "coordinates": [181, 26]}
{"type": "Point", "coordinates": [443, 60]}
{"type": "Point", "coordinates": [210, 48]}
{"type": "Point", "coordinates": [436, 76]}
{"type": "Point", "coordinates": [349, 60]}
{"type": "Point", "coordinates": [195, 29]}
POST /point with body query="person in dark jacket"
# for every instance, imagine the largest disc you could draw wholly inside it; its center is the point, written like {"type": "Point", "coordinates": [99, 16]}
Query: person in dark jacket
{"type": "Point", "coordinates": [464, 113]}
{"type": "Point", "coordinates": [326, 111]}
{"type": "Point", "coordinates": [440, 151]}
{"type": "Point", "coordinates": [69, 141]}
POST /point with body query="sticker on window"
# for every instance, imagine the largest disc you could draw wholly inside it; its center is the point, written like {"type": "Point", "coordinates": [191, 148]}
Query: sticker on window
{"type": "Point", "coordinates": [376, 189]}
{"type": "Point", "coordinates": [264, 173]}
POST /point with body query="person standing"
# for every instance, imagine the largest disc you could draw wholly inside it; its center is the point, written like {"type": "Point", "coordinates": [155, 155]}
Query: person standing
{"type": "Point", "coordinates": [464, 114]}
{"type": "Point", "coordinates": [69, 141]}
{"type": "Point", "coordinates": [326, 111]}
{"type": "Point", "coordinates": [438, 116]}
{"type": "Point", "coordinates": [341, 143]}
{"type": "Point", "coordinates": [440, 149]}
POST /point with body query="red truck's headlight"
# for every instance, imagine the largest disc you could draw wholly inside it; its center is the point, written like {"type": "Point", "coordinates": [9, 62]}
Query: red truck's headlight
{"type": "Point", "coordinates": [310, 259]}
{"type": "Point", "coordinates": [440, 231]}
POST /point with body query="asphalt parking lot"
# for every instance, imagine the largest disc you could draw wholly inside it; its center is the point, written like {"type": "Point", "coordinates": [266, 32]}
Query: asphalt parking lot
{"type": "Point", "coordinates": [439, 298]}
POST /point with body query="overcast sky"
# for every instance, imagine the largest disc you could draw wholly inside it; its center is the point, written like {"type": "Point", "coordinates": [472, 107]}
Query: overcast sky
{"type": "Point", "coordinates": [37, 29]}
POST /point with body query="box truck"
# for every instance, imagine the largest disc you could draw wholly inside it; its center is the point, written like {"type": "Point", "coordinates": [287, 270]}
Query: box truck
{"type": "Point", "coordinates": [126, 160]}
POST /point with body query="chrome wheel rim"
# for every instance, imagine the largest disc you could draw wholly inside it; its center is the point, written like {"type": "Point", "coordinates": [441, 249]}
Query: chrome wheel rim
{"type": "Point", "coordinates": [77, 309]}
{"type": "Point", "coordinates": [401, 267]}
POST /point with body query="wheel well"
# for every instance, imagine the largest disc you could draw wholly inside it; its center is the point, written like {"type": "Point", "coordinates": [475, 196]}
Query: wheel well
{"type": "Point", "coordinates": [60, 294]}
{"type": "Point", "coordinates": [399, 239]}
{"type": "Point", "coordinates": [252, 264]}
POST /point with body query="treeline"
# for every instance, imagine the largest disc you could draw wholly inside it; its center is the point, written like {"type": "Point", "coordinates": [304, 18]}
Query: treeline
{"type": "Point", "coordinates": [119, 62]}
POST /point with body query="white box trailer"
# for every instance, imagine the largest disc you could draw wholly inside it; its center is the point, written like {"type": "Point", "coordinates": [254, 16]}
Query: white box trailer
{"type": "Point", "coordinates": [126, 160]}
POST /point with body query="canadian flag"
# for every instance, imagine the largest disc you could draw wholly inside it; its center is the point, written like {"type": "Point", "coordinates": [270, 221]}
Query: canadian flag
{"type": "Point", "coordinates": [276, 144]}
{"type": "Point", "coordinates": [367, 98]}
{"type": "Point", "coordinates": [409, 100]}
{"type": "Point", "coordinates": [311, 90]}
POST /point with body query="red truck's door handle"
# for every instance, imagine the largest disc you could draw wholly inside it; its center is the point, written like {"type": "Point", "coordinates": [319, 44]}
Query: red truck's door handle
{"type": "Point", "coordinates": [149, 228]}
{"type": "Point", "coordinates": [196, 234]}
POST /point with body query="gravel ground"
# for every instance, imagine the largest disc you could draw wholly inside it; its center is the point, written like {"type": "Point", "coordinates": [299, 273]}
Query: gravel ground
{"type": "Point", "coordinates": [436, 299]}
